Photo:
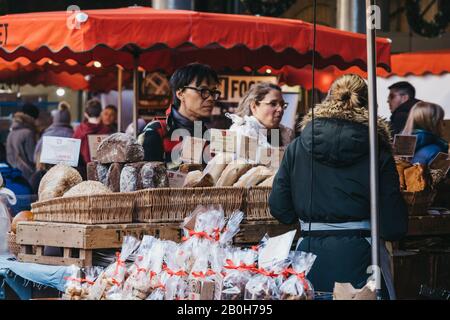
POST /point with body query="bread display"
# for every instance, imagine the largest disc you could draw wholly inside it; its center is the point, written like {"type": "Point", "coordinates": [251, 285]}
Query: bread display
{"type": "Point", "coordinates": [197, 179]}
{"type": "Point", "coordinates": [57, 181]}
{"type": "Point", "coordinates": [154, 175]}
{"type": "Point", "coordinates": [253, 177]}
{"type": "Point", "coordinates": [113, 177]}
{"type": "Point", "coordinates": [130, 177]}
{"type": "Point", "coordinates": [121, 148]}
{"type": "Point", "coordinates": [218, 164]}
{"type": "Point", "coordinates": [233, 171]}
{"type": "Point", "coordinates": [401, 166]}
{"type": "Point", "coordinates": [268, 182]}
{"type": "Point", "coordinates": [87, 188]}
{"type": "Point", "coordinates": [188, 167]}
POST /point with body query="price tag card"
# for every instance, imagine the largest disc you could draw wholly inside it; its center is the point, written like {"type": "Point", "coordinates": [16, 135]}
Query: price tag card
{"type": "Point", "coordinates": [248, 148]}
{"type": "Point", "coordinates": [223, 141]}
{"type": "Point", "coordinates": [93, 141]}
{"type": "Point", "coordinates": [440, 162]}
{"type": "Point", "coordinates": [176, 179]}
{"type": "Point", "coordinates": [192, 151]}
{"type": "Point", "coordinates": [404, 145]}
{"type": "Point", "coordinates": [57, 150]}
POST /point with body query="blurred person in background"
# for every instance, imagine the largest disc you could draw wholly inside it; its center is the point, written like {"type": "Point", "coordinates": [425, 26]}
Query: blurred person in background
{"type": "Point", "coordinates": [109, 117]}
{"type": "Point", "coordinates": [401, 99]}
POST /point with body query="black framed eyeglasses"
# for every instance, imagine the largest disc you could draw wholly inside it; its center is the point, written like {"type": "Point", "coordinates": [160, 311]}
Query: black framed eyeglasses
{"type": "Point", "coordinates": [205, 93]}
{"type": "Point", "coordinates": [275, 104]}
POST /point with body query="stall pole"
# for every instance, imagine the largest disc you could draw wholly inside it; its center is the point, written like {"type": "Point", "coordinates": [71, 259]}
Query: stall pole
{"type": "Point", "coordinates": [135, 92]}
{"type": "Point", "coordinates": [373, 137]}
{"type": "Point", "coordinates": [119, 98]}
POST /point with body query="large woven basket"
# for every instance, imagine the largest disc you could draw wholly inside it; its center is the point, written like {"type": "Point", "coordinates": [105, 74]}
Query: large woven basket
{"type": "Point", "coordinates": [174, 204]}
{"type": "Point", "coordinates": [257, 204]}
{"type": "Point", "coordinates": [419, 202]}
{"type": "Point", "coordinates": [93, 209]}
{"type": "Point", "coordinates": [14, 248]}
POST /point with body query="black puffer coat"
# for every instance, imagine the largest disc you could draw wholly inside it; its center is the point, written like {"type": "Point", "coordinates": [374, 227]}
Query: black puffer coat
{"type": "Point", "coordinates": [340, 192]}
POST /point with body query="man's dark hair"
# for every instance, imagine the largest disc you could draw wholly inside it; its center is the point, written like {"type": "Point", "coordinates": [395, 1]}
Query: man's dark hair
{"type": "Point", "coordinates": [111, 107]}
{"type": "Point", "coordinates": [185, 75]}
{"type": "Point", "coordinates": [93, 108]}
{"type": "Point", "coordinates": [404, 87]}
{"type": "Point", "coordinates": [31, 110]}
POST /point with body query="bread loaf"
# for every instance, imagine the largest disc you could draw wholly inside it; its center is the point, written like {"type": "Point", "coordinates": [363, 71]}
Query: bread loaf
{"type": "Point", "coordinates": [87, 188]}
{"type": "Point", "coordinates": [268, 182]}
{"type": "Point", "coordinates": [415, 178]}
{"type": "Point", "coordinates": [188, 167]}
{"type": "Point", "coordinates": [253, 177]}
{"type": "Point", "coordinates": [401, 166]}
{"type": "Point", "coordinates": [217, 165]}
{"type": "Point", "coordinates": [57, 181]}
{"type": "Point", "coordinates": [233, 171]}
{"type": "Point", "coordinates": [130, 177]}
{"type": "Point", "coordinates": [196, 179]}
{"type": "Point", "coordinates": [119, 147]}
{"type": "Point", "coordinates": [91, 169]}
{"type": "Point", "coordinates": [154, 175]}
{"type": "Point", "coordinates": [113, 177]}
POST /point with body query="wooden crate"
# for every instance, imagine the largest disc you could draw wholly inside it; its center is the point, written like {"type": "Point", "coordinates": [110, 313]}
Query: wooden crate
{"type": "Point", "coordinates": [79, 240]}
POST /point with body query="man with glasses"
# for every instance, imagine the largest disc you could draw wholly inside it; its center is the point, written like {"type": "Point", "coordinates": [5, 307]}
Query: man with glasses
{"type": "Point", "coordinates": [194, 89]}
{"type": "Point", "coordinates": [401, 99]}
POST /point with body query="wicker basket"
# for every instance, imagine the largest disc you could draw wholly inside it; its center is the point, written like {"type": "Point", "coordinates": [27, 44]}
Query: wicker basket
{"type": "Point", "coordinates": [419, 202]}
{"type": "Point", "coordinates": [94, 209]}
{"type": "Point", "coordinates": [174, 204]}
{"type": "Point", "coordinates": [257, 204]}
{"type": "Point", "coordinates": [14, 248]}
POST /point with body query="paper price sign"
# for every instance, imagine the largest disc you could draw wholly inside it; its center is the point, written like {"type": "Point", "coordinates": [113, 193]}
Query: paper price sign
{"type": "Point", "coordinates": [57, 150]}
{"type": "Point", "coordinates": [176, 179]}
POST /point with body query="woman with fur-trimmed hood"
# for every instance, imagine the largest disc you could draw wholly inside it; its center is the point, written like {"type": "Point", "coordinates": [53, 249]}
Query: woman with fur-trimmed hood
{"type": "Point", "coordinates": [338, 205]}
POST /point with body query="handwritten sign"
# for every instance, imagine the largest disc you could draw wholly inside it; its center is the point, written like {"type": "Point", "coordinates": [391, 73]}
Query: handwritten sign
{"type": "Point", "coordinates": [57, 150]}
{"type": "Point", "coordinates": [93, 141]}
{"type": "Point", "coordinates": [404, 145]}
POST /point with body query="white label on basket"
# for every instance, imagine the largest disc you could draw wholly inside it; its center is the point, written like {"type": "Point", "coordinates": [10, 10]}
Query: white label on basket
{"type": "Point", "coordinates": [176, 179]}
{"type": "Point", "coordinates": [56, 150]}
{"type": "Point", "coordinates": [94, 141]}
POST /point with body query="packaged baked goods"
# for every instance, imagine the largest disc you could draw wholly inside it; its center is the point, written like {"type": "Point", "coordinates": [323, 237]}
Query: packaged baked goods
{"type": "Point", "coordinates": [57, 181]}
{"type": "Point", "coordinates": [232, 227]}
{"type": "Point", "coordinates": [119, 147]}
{"type": "Point", "coordinates": [233, 171]}
{"type": "Point", "coordinates": [80, 281]}
{"type": "Point", "coordinates": [239, 267]}
{"type": "Point", "coordinates": [175, 271]}
{"type": "Point", "coordinates": [109, 284]}
{"type": "Point", "coordinates": [217, 165]}
{"type": "Point", "coordinates": [415, 178]}
{"type": "Point", "coordinates": [154, 175]}
{"type": "Point", "coordinates": [264, 285]}
{"type": "Point", "coordinates": [87, 188]}
{"type": "Point", "coordinates": [297, 286]}
{"type": "Point", "coordinates": [253, 177]}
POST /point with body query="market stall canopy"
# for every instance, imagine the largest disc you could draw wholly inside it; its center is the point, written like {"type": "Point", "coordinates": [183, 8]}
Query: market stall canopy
{"type": "Point", "coordinates": [167, 39]}
{"type": "Point", "coordinates": [421, 63]}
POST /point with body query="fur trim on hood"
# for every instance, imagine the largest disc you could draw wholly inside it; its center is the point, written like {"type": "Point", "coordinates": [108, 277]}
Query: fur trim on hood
{"type": "Point", "coordinates": [22, 120]}
{"type": "Point", "coordinates": [358, 115]}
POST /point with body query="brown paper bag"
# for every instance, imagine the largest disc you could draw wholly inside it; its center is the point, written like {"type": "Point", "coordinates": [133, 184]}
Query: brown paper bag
{"type": "Point", "coordinates": [345, 291]}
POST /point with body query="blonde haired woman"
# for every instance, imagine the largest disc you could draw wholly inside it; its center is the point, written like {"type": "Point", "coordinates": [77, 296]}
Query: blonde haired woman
{"type": "Point", "coordinates": [426, 121]}
{"type": "Point", "coordinates": [259, 114]}
{"type": "Point", "coordinates": [337, 203]}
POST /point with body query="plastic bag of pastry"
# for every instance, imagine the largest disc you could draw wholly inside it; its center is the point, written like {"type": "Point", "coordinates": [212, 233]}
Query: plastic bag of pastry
{"type": "Point", "coordinates": [90, 275]}
{"type": "Point", "coordinates": [116, 273]}
{"type": "Point", "coordinates": [159, 291]}
{"type": "Point", "coordinates": [264, 285]}
{"type": "Point", "coordinates": [135, 286]}
{"type": "Point", "coordinates": [232, 227]}
{"type": "Point", "coordinates": [175, 271]}
{"type": "Point", "coordinates": [200, 277]}
{"type": "Point", "coordinates": [73, 287]}
{"type": "Point", "coordinates": [297, 286]}
{"type": "Point", "coordinates": [239, 265]}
